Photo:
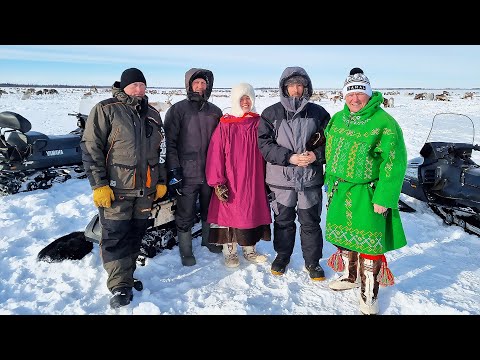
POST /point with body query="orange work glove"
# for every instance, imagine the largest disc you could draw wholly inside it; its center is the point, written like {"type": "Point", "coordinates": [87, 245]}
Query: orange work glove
{"type": "Point", "coordinates": [161, 191]}
{"type": "Point", "coordinates": [103, 196]}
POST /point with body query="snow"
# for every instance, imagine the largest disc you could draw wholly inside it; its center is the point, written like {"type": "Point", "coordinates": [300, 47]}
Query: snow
{"type": "Point", "coordinates": [437, 273]}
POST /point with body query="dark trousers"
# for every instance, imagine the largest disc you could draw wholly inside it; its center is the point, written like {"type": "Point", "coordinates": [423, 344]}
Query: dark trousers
{"type": "Point", "coordinates": [187, 205]}
{"type": "Point", "coordinates": [311, 238]}
{"type": "Point", "coordinates": [123, 226]}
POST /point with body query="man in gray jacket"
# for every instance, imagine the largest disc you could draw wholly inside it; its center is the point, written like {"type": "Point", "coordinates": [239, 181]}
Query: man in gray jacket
{"type": "Point", "coordinates": [289, 139]}
{"type": "Point", "coordinates": [121, 153]}
{"type": "Point", "coordinates": [189, 125]}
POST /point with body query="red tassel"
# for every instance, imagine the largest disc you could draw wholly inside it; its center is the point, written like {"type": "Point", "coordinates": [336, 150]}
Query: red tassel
{"type": "Point", "coordinates": [335, 261]}
{"type": "Point", "coordinates": [385, 276]}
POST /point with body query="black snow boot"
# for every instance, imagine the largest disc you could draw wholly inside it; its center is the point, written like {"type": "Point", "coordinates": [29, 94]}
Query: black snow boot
{"type": "Point", "coordinates": [205, 234]}
{"type": "Point", "coordinates": [121, 297]}
{"type": "Point", "coordinates": [185, 246]}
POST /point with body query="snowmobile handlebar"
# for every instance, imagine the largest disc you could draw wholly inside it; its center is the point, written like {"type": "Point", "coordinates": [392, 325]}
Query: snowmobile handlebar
{"type": "Point", "coordinates": [78, 115]}
{"type": "Point", "coordinates": [463, 147]}
{"type": "Point", "coordinates": [81, 119]}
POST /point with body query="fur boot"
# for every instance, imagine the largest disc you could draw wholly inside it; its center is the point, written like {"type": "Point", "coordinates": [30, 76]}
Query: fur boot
{"type": "Point", "coordinates": [251, 255]}
{"type": "Point", "coordinates": [230, 255]}
{"type": "Point", "coordinates": [368, 297]}
{"type": "Point", "coordinates": [350, 277]}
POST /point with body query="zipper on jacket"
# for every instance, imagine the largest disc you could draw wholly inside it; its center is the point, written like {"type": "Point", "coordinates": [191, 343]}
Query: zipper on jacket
{"type": "Point", "coordinates": [140, 166]}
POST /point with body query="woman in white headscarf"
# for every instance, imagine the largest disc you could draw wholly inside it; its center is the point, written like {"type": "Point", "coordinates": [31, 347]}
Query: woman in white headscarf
{"type": "Point", "coordinates": [239, 210]}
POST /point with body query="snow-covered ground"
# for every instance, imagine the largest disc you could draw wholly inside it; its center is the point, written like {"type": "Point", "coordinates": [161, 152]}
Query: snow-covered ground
{"type": "Point", "coordinates": [437, 273]}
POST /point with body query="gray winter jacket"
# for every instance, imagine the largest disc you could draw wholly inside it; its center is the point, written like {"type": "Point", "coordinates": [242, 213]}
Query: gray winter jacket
{"type": "Point", "coordinates": [284, 129]}
{"type": "Point", "coordinates": [121, 145]}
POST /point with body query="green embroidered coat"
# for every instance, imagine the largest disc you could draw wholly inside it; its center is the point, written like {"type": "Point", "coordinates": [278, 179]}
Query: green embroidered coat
{"type": "Point", "coordinates": [366, 160]}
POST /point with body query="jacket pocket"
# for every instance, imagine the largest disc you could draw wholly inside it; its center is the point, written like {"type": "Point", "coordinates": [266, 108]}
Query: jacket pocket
{"type": "Point", "coordinates": [153, 167]}
{"type": "Point", "coordinates": [121, 172]}
{"type": "Point", "coordinates": [190, 168]}
{"type": "Point", "coordinates": [288, 173]}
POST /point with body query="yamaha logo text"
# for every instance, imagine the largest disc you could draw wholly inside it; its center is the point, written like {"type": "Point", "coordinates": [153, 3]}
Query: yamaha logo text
{"type": "Point", "coordinates": [54, 152]}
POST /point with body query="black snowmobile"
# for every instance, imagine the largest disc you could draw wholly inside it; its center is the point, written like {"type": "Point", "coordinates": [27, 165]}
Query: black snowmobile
{"type": "Point", "coordinates": [161, 233]}
{"type": "Point", "coordinates": [32, 160]}
{"type": "Point", "coordinates": [445, 176]}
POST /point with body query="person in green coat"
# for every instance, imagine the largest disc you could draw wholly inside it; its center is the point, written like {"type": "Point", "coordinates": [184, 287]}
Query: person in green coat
{"type": "Point", "coordinates": [366, 160]}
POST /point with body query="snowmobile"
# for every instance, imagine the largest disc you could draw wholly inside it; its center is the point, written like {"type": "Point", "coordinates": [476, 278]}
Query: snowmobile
{"type": "Point", "coordinates": [161, 233]}
{"type": "Point", "coordinates": [31, 160]}
{"type": "Point", "coordinates": [446, 176]}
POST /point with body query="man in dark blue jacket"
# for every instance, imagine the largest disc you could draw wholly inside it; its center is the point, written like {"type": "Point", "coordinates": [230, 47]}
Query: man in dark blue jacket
{"type": "Point", "coordinates": [189, 125]}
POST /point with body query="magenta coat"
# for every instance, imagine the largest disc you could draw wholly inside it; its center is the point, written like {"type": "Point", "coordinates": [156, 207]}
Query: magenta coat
{"type": "Point", "coordinates": [234, 159]}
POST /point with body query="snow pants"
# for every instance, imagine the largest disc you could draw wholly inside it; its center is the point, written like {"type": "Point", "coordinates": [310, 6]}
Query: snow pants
{"type": "Point", "coordinates": [308, 206]}
{"type": "Point", "coordinates": [187, 205]}
{"type": "Point", "coordinates": [123, 226]}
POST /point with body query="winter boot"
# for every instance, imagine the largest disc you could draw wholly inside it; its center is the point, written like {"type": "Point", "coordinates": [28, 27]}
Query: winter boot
{"type": "Point", "coordinates": [121, 297]}
{"type": "Point", "coordinates": [368, 298]}
{"type": "Point", "coordinates": [349, 278]}
{"type": "Point", "coordinates": [315, 271]}
{"type": "Point", "coordinates": [279, 265]}
{"type": "Point", "coordinates": [185, 246]}
{"type": "Point", "coordinates": [230, 255]}
{"type": "Point", "coordinates": [251, 255]}
{"type": "Point", "coordinates": [205, 233]}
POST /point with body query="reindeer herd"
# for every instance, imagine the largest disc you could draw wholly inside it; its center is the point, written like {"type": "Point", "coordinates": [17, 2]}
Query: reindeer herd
{"type": "Point", "coordinates": [317, 96]}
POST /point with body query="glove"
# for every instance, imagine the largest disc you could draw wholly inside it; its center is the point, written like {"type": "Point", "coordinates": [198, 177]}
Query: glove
{"type": "Point", "coordinates": [222, 192]}
{"type": "Point", "coordinates": [270, 196]}
{"type": "Point", "coordinates": [161, 191]}
{"type": "Point", "coordinates": [175, 181]}
{"type": "Point", "coordinates": [270, 193]}
{"type": "Point", "coordinates": [103, 196]}
{"type": "Point", "coordinates": [317, 140]}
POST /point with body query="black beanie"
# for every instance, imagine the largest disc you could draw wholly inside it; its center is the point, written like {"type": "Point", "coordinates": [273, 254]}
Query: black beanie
{"type": "Point", "coordinates": [199, 75]}
{"type": "Point", "coordinates": [130, 76]}
{"type": "Point", "coordinates": [356, 70]}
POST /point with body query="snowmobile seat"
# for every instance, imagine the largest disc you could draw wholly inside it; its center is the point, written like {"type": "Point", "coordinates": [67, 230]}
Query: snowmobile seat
{"type": "Point", "coordinates": [67, 141]}
{"type": "Point", "coordinates": [11, 120]}
{"type": "Point", "coordinates": [23, 140]}
{"type": "Point", "coordinates": [43, 142]}
{"type": "Point", "coordinates": [472, 177]}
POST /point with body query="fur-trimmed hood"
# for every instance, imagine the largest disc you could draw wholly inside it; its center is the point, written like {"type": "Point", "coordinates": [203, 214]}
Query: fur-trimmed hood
{"type": "Point", "coordinates": [237, 92]}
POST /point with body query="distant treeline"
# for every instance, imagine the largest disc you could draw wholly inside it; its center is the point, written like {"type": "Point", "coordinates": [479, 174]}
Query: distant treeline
{"type": "Point", "coordinates": [218, 88]}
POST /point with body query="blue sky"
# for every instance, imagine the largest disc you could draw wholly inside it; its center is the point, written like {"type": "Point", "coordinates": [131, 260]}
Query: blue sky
{"type": "Point", "coordinates": [387, 66]}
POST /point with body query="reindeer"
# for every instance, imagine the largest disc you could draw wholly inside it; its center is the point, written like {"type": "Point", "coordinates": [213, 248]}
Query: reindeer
{"type": "Point", "coordinates": [442, 97]}
{"type": "Point", "coordinates": [87, 95]}
{"type": "Point", "coordinates": [388, 102]}
{"type": "Point", "coordinates": [163, 106]}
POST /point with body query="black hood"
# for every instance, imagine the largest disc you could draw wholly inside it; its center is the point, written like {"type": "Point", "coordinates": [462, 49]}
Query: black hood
{"type": "Point", "coordinates": [192, 74]}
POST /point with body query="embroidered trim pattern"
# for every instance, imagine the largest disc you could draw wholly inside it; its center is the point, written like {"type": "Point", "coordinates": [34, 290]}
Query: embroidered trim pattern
{"type": "Point", "coordinates": [364, 241]}
{"type": "Point", "coordinates": [348, 207]}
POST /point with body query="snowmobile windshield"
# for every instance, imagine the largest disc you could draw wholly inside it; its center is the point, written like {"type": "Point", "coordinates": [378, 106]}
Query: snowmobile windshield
{"type": "Point", "coordinates": [451, 128]}
{"type": "Point", "coordinates": [87, 103]}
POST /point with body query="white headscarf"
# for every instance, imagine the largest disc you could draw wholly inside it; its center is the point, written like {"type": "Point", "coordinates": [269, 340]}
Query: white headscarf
{"type": "Point", "coordinates": [237, 92]}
